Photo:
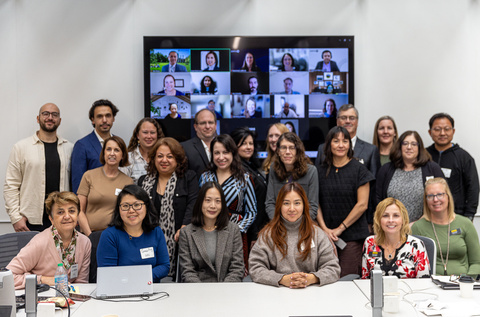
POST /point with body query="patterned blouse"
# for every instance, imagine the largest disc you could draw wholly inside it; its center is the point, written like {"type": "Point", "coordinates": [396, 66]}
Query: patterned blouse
{"type": "Point", "coordinates": [240, 198]}
{"type": "Point", "coordinates": [410, 259]}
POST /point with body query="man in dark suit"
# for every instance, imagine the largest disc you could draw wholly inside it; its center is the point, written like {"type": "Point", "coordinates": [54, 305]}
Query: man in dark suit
{"type": "Point", "coordinates": [172, 64]}
{"type": "Point", "coordinates": [197, 148]}
{"type": "Point", "coordinates": [365, 152]}
{"type": "Point", "coordinates": [86, 152]}
{"type": "Point", "coordinates": [327, 65]}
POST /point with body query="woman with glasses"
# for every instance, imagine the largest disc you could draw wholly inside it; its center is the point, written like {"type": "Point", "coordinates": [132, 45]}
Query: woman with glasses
{"type": "Point", "coordinates": [134, 237]}
{"type": "Point", "coordinates": [173, 190]}
{"type": "Point", "coordinates": [393, 248]}
{"type": "Point", "coordinates": [343, 198]}
{"type": "Point", "coordinates": [384, 135]}
{"type": "Point", "coordinates": [404, 176]}
{"type": "Point", "coordinates": [458, 249]}
{"type": "Point", "coordinates": [290, 164]}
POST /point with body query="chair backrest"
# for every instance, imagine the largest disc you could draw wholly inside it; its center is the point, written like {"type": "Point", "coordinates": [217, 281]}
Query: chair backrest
{"type": "Point", "coordinates": [94, 239]}
{"type": "Point", "coordinates": [12, 243]}
{"type": "Point", "coordinates": [431, 252]}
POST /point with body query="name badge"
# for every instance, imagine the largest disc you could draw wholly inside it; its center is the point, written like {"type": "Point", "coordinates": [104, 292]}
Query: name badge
{"type": "Point", "coordinates": [312, 245]}
{"type": "Point", "coordinates": [375, 254]}
{"type": "Point", "coordinates": [117, 191]}
{"type": "Point", "coordinates": [147, 253]}
{"type": "Point", "coordinates": [455, 232]}
{"type": "Point", "coordinates": [74, 271]}
{"type": "Point", "coordinates": [447, 172]}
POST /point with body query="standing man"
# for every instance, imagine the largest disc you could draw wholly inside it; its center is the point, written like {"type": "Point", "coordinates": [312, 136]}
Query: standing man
{"type": "Point", "coordinates": [172, 66]}
{"type": "Point", "coordinates": [86, 153]}
{"type": "Point", "coordinates": [457, 165]}
{"type": "Point", "coordinates": [38, 165]}
{"type": "Point", "coordinates": [197, 148]}
{"type": "Point", "coordinates": [365, 152]}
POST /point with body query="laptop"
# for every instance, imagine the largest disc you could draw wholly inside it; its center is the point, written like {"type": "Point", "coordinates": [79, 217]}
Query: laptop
{"type": "Point", "coordinates": [124, 281]}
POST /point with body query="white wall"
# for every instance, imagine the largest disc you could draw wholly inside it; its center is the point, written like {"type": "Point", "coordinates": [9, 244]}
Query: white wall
{"type": "Point", "coordinates": [413, 58]}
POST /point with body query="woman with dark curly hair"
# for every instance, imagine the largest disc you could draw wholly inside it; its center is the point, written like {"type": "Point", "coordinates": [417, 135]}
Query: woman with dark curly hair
{"type": "Point", "coordinates": [288, 63]}
{"type": "Point", "coordinates": [404, 176]}
{"type": "Point", "coordinates": [144, 137]}
{"type": "Point", "coordinates": [208, 86]}
{"type": "Point", "coordinates": [345, 189]}
{"type": "Point", "coordinates": [290, 164]}
{"type": "Point", "coordinates": [172, 188]}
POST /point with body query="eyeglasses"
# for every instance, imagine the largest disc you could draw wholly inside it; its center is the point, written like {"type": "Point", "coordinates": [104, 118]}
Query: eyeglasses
{"type": "Point", "coordinates": [439, 196]}
{"type": "Point", "coordinates": [284, 149]}
{"type": "Point", "coordinates": [439, 129]}
{"type": "Point", "coordinates": [412, 144]}
{"type": "Point", "coordinates": [344, 118]}
{"type": "Point", "coordinates": [47, 114]}
{"type": "Point", "coordinates": [136, 206]}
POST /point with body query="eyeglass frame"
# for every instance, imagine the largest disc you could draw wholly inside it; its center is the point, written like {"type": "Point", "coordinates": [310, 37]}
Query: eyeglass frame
{"type": "Point", "coordinates": [120, 206]}
{"type": "Point", "coordinates": [431, 197]}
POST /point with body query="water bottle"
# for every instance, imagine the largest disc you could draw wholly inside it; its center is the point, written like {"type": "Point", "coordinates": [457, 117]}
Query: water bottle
{"type": "Point", "coordinates": [61, 280]}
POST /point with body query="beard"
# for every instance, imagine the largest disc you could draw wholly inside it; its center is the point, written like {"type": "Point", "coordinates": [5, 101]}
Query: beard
{"type": "Point", "coordinates": [45, 128]}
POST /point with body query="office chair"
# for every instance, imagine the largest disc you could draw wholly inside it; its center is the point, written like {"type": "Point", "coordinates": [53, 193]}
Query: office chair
{"type": "Point", "coordinates": [431, 252]}
{"type": "Point", "coordinates": [12, 243]}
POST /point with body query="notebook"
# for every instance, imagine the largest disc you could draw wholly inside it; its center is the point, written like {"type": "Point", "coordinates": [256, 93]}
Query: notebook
{"type": "Point", "coordinates": [451, 285]}
{"type": "Point", "coordinates": [124, 281]}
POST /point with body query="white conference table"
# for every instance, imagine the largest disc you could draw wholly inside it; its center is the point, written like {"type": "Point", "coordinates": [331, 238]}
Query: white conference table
{"type": "Point", "coordinates": [421, 291]}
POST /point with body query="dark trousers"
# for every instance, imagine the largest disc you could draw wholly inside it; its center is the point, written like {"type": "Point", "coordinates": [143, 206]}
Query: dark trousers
{"type": "Point", "coordinates": [350, 258]}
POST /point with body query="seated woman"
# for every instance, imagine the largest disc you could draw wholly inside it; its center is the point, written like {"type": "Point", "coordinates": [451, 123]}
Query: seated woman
{"type": "Point", "coordinates": [392, 248]}
{"type": "Point", "coordinates": [208, 86]}
{"type": "Point", "coordinates": [144, 137]}
{"type": "Point", "coordinates": [60, 243]}
{"type": "Point", "coordinates": [404, 176]}
{"type": "Point", "coordinates": [291, 165]}
{"type": "Point", "coordinates": [291, 250]}
{"type": "Point", "coordinates": [98, 188]}
{"type": "Point", "coordinates": [210, 248]}
{"type": "Point", "coordinates": [458, 248]}
{"type": "Point", "coordinates": [250, 110]}
{"type": "Point", "coordinates": [173, 190]}
{"type": "Point", "coordinates": [134, 237]}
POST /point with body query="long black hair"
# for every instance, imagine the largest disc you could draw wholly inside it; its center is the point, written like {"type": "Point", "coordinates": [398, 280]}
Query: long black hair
{"type": "Point", "coordinates": [239, 135]}
{"type": "Point", "coordinates": [197, 214]}
{"type": "Point", "coordinates": [327, 147]}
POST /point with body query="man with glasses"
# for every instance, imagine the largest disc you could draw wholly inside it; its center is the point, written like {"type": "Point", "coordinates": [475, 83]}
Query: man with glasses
{"type": "Point", "coordinates": [86, 153]}
{"type": "Point", "coordinates": [457, 165]}
{"type": "Point", "coordinates": [38, 165]}
{"type": "Point", "coordinates": [197, 149]}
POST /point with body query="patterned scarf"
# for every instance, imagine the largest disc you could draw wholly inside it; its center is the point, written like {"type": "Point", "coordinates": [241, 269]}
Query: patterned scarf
{"type": "Point", "coordinates": [66, 254]}
{"type": "Point", "coordinates": [167, 220]}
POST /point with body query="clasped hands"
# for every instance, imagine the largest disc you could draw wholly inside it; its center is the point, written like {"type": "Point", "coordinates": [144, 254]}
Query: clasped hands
{"type": "Point", "coordinates": [299, 280]}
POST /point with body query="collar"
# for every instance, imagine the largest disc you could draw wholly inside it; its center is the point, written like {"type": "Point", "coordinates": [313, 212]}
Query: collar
{"type": "Point", "coordinates": [100, 139]}
{"type": "Point", "coordinates": [354, 141]}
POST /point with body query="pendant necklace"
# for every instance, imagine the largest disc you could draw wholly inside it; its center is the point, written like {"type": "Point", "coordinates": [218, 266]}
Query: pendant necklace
{"type": "Point", "coordinates": [440, 247]}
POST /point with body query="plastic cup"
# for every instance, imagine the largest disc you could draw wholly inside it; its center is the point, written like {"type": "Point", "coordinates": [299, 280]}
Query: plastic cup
{"type": "Point", "coordinates": [466, 286]}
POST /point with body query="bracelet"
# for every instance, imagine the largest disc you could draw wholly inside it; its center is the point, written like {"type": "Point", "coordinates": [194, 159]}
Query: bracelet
{"type": "Point", "coordinates": [344, 225]}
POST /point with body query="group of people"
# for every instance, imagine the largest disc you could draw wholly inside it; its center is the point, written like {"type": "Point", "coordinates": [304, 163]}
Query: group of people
{"type": "Point", "coordinates": [210, 204]}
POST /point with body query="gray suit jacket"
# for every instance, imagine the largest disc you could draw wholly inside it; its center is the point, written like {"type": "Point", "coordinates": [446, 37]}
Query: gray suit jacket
{"type": "Point", "coordinates": [195, 265]}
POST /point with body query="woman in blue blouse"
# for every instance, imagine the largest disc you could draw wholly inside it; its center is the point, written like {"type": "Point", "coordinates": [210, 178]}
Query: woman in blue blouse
{"type": "Point", "coordinates": [226, 169]}
{"type": "Point", "coordinates": [134, 237]}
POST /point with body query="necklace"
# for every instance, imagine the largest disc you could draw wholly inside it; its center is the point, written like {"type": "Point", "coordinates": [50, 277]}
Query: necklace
{"type": "Point", "coordinates": [209, 228]}
{"type": "Point", "coordinates": [440, 247]}
{"type": "Point", "coordinates": [393, 250]}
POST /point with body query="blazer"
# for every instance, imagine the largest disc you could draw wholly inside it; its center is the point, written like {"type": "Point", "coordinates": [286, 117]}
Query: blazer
{"type": "Point", "coordinates": [215, 68]}
{"type": "Point", "coordinates": [333, 66]}
{"type": "Point", "coordinates": [85, 156]}
{"type": "Point", "coordinates": [178, 68]}
{"type": "Point", "coordinates": [196, 265]}
{"type": "Point", "coordinates": [197, 157]}
{"type": "Point", "coordinates": [185, 195]}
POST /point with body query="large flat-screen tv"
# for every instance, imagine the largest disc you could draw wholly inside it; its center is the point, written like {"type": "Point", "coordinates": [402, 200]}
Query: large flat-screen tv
{"type": "Point", "coordinates": [249, 81]}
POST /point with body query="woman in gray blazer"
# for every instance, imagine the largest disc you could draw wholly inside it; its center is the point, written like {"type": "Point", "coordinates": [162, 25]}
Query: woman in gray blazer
{"type": "Point", "coordinates": [210, 248]}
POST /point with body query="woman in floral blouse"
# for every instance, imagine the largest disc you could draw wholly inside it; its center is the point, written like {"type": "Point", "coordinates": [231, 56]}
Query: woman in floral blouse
{"type": "Point", "coordinates": [392, 248]}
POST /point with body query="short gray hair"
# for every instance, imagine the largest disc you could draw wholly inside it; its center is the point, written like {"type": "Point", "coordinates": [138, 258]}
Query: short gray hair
{"type": "Point", "coordinates": [346, 107]}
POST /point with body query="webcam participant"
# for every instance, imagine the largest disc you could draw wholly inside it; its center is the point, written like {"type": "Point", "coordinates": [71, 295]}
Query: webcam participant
{"type": "Point", "coordinates": [291, 250]}
{"type": "Point", "coordinates": [212, 61]}
{"type": "Point", "coordinates": [253, 86]}
{"type": "Point", "coordinates": [290, 126]}
{"type": "Point", "coordinates": [211, 107]}
{"type": "Point", "coordinates": [173, 112]}
{"type": "Point", "coordinates": [251, 109]}
{"type": "Point", "coordinates": [330, 109]}
{"type": "Point", "coordinates": [208, 86]}
{"type": "Point", "coordinates": [134, 237]}
{"type": "Point", "coordinates": [210, 248]}
{"type": "Point", "coordinates": [288, 85]}
{"type": "Point", "coordinates": [288, 63]}
{"type": "Point", "coordinates": [392, 247]}
{"type": "Point", "coordinates": [60, 243]}
{"type": "Point", "coordinates": [287, 112]}
{"type": "Point", "coordinates": [172, 64]}
{"type": "Point", "coordinates": [249, 64]}
{"type": "Point", "coordinates": [169, 87]}
{"type": "Point", "coordinates": [327, 65]}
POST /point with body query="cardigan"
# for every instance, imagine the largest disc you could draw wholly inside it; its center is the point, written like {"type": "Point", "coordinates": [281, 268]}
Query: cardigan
{"type": "Point", "coordinates": [40, 256]}
{"type": "Point", "coordinates": [195, 263]}
{"type": "Point", "coordinates": [268, 266]}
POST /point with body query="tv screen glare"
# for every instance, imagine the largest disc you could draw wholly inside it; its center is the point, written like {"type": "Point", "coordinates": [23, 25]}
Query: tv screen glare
{"type": "Point", "coordinates": [251, 81]}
